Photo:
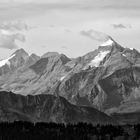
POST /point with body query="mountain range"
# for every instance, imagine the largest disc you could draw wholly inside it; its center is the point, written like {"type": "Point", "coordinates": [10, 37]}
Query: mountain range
{"type": "Point", "coordinates": [101, 86]}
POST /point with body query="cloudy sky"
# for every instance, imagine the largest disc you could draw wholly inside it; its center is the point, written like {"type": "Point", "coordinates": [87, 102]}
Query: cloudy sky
{"type": "Point", "coordinates": [72, 27]}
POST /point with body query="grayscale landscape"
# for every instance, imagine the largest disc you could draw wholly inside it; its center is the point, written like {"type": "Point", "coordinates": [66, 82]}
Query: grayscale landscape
{"type": "Point", "coordinates": [69, 62]}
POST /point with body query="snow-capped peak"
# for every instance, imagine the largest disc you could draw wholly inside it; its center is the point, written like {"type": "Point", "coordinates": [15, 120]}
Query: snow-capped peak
{"type": "Point", "coordinates": [131, 49]}
{"type": "Point", "coordinates": [6, 61]}
{"type": "Point", "coordinates": [107, 43]}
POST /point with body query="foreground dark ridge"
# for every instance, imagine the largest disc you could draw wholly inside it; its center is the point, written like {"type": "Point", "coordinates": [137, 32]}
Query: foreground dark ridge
{"type": "Point", "coordinates": [47, 108]}
{"type": "Point", "coordinates": [80, 131]}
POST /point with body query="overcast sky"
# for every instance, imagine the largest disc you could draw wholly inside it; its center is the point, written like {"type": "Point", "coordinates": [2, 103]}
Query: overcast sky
{"type": "Point", "coordinates": [72, 27]}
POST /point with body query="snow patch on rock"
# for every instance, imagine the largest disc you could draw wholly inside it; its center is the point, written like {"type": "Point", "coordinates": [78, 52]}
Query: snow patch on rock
{"type": "Point", "coordinates": [98, 59]}
{"type": "Point", "coordinates": [107, 43]}
{"type": "Point", "coordinates": [6, 61]}
{"type": "Point", "coordinates": [124, 55]}
{"type": "Point", "coordinates": [131, 49]}
{"type": "Point", "coordinates": [62, 78]}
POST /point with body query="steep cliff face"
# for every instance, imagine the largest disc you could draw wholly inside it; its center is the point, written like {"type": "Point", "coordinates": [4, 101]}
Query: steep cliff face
{"type": "Point", "coordinates": [16, 60]}
{"type": "Point", "coordinates": [105, 81]}
{"type": "Point", "coordinates": [123, 85]}
{"type": "Point", "coordinates": [47, 108]}
{"type": "Point", "coordinates": [37, 75]}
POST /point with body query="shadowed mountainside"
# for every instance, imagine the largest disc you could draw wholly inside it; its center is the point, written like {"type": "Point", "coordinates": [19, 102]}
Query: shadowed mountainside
{"type": "Point", "coordinates": [47, 108]}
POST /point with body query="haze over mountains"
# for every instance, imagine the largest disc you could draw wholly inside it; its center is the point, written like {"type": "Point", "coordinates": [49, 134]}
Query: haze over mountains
{"type": "Point", "coordinates": [105, 83]}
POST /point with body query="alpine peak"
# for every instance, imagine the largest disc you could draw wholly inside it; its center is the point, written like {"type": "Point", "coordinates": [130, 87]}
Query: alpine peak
{"type": "Point", "coordinates": [109, 42]}
{"type": "Point", "coordinates": [21, 52]}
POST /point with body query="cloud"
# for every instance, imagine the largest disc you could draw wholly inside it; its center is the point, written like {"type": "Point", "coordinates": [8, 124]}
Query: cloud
{"type": "Point", "coordinates": [43, 46]}
{"type": "Point", "coordinates": [9, 41]}
{"type": "Point", "coordinates": [121, 26]}
{"type": "Point", "coordinates": [19, 37]}
{"type": "Point", "coordinates": [64, 47]}
{"type": "Point", "coordinates": [68, 30]}
{"type": "Point", "coordinates": [52, 26]}
{"type": "Point", "coordinates": [10, 32]}
{"type": "Point", "coordinates": [30, 8]}
{"type": "Point", "coordinates": [14, 26]}
{"type": "Point", "coordinates": [95, 35]}
{"type": "Point", "coordinates": [16, 1]}
{"type": "Point", "coordinates": [22, 1]}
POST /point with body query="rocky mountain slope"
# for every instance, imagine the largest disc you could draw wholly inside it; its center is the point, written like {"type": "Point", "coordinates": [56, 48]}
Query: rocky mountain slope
{"type": "Point", "coordinates": [107, 83]}
{"type": "Point", "coordinates": [47, 108]}
{"type": "Point", "coordinates": [107, 79]}
{"type": "Point", "coordinates": [16, 60]}
{"type": "Point", "coordinates": [34, 78]}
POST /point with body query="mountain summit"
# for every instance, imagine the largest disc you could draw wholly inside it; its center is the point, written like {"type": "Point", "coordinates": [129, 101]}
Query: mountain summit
{"type": "Point", "coordinates": [109, 42]}
{"type": "Point", "coordinates": [107, 78]}
{"type": "Point", "coordinates": [16, 60]}
{"type": "Point", "coordinates": [21, 52]}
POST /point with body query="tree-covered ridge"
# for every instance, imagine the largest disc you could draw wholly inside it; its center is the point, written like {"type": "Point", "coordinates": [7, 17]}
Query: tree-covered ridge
{"type": "Point", "coordinates": [80, 131]}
